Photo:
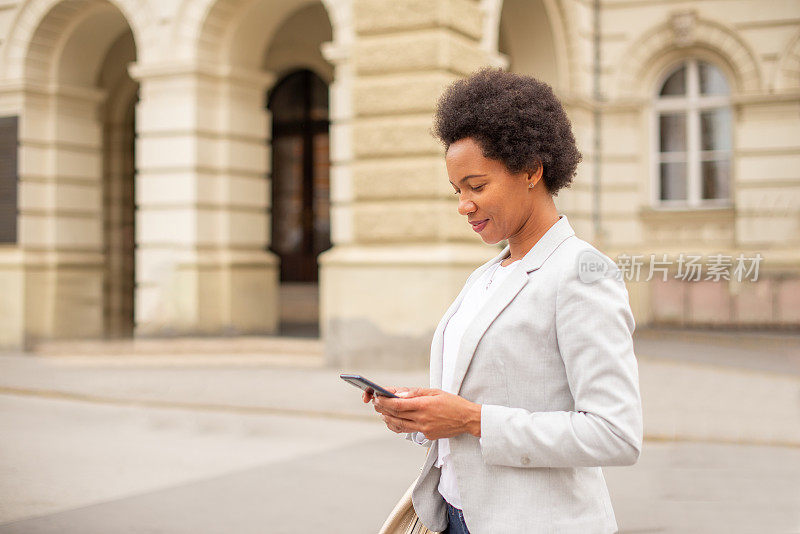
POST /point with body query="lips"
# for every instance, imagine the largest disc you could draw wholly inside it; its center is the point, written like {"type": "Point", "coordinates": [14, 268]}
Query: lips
{"type": "Point", "coordinates": [479, 225]}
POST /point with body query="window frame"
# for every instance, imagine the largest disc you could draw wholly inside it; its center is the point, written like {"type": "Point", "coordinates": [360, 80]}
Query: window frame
{"type": "Point", "coordinates": [692, 104]}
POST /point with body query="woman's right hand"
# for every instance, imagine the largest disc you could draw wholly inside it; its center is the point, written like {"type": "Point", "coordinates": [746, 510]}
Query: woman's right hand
{"type": "Point", "coordinates": [368, 395]}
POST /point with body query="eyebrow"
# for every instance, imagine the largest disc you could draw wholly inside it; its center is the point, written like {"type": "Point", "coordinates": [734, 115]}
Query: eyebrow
{"type": "Point", "coordinates": [467, 177]}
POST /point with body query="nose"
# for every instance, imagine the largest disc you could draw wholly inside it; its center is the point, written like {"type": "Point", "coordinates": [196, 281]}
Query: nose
{"type": "Point", "coordinates": [465, 207]}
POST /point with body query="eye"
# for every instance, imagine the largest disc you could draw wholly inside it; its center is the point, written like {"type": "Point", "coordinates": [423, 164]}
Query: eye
{"type": "Point", "coordinates": [477, 188]}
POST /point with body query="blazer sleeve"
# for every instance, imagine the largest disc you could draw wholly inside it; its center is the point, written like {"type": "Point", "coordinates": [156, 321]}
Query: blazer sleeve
{"type": "Point", "coordinates": [594, 327]}
{"type": "Point", "coordinates": [418, 438]}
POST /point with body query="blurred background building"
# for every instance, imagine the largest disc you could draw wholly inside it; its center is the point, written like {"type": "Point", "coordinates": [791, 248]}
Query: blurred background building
{"type": "Point", "coordinates": [231, 167]}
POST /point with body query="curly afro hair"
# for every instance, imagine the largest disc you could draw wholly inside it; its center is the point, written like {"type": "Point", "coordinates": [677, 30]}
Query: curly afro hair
{"type": "Point", "coordinates": [515, 119]}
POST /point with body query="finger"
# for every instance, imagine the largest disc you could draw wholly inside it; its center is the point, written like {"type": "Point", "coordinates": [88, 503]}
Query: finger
{"type": "Point", "coordinates": [424, 392]}
{"type": "Point", "coordinates": [394, 427]}
{"type": "Point", "coordinates": [420, 392]}
{"type": "Point", "coordinates": [380, 400]}
{"type": "Point", "coordinates": [381, 409]}
{"type": "Point", "coordinates": [396, 421]}
{"type": "Point", "coordinates": [398, 424]}
{"type": "Point", "coordinates": [399, 391]}
{"type": "Point", "coordinates": [381, 395]}
{"type": "Point", "coordinates": [390, 405]}
{"type": "Point", "coordinates": [405, 407]}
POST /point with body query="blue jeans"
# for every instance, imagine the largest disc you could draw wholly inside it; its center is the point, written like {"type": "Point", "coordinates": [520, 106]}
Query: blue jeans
{"type": "Point", "coordinates": [455, 521]}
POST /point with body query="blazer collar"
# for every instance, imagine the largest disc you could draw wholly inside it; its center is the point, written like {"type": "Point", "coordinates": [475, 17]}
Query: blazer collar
{"type": "Point", "coordinates": [504, 294]}
{"type": "Point", "coordinates": [545, 247]}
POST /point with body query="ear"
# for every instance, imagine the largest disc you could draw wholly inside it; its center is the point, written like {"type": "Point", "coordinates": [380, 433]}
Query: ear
{"type": "Point", "coordinates": [535, 174]}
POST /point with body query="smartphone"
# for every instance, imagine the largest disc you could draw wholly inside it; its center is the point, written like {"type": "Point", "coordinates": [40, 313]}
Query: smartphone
{"type": "Point", "coordinates": [362, 383]}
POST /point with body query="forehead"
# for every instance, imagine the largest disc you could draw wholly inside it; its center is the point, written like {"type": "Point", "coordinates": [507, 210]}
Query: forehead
{"type": "Point", "coordinates": [465, 157]}
{"type": "Point", "coordinates": [464, 150]}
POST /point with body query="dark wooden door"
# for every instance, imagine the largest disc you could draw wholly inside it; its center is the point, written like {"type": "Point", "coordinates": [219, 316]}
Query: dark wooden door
{"type": "Point", "coordinates": [300, 181]}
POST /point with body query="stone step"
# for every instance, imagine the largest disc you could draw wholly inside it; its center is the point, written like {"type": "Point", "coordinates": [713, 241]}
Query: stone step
{"type": "Point", "coordinates": [312, 347]}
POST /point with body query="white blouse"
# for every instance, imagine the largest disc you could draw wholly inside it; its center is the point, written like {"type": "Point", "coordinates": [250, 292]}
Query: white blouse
{"type": "Point", "coordinates": [473, 301]}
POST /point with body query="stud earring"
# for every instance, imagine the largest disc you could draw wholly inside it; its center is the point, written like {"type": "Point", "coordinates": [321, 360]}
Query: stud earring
{"type": "Point", "coordinates": [530, 186]}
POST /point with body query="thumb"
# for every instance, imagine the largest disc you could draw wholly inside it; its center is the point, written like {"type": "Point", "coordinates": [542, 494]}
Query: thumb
{"type": "Point", "coordinates": [416, 392]}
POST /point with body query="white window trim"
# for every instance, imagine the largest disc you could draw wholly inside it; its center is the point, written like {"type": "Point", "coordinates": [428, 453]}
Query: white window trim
{"type": "Point", "coordinates": [693, 103]}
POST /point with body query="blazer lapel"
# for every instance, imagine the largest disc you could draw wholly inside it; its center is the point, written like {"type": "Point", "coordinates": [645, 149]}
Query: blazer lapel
{"type": "Point", "coordinates": [437, 345]}
{"type": "Point", "coordinates": [503, 296]}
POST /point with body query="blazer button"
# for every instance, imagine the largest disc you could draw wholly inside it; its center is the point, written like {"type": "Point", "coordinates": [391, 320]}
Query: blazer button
{"type": "Point", "coordinates": [526, 460]}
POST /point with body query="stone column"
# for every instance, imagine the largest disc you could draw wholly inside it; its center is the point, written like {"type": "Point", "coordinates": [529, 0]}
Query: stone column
{"type": "Point", "coordinates": [60, 238]}
{"type": "Point", "coordinates": [401, 251]}
{"type": "Point", "coordinates": [202, 264]}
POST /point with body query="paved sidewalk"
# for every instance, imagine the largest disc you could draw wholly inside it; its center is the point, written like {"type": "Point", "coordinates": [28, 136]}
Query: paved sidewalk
{"type": "Point", "coordinates": [69, 467]}
{"type": "Point", "coordinates": [777, 352]}
{"type": "Point", "coordinates": [684, 396]}
{"type": "Point", "coordinates": [72, 467]}
{"type": "Point", "coordinates": [257, 435]}
{"type": "Point", "coordinates": [244, 383]}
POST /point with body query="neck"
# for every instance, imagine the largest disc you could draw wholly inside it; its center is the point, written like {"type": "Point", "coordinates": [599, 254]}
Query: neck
{"type": "Point", "coordinates": [541, 219]}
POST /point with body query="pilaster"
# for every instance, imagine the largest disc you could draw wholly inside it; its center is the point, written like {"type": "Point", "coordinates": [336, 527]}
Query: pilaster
{"type": "Point", "coordinates": [58, 260]}
{"type": "Point", "coordinates": [202, 196]}
{"type": "Point", "coordinates": [401, 251]}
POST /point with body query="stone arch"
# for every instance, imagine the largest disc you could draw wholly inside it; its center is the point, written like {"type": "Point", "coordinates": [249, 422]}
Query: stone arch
{"type": "Point", "coordinates": [118, 122]}
{"type": "Point", "coordinates": [39, 25]}
{"type": "Point", "coordinates": [561, 35]}
{"type": "Point", "coordinates": [205, 29]}
{"type": "Point", "coordinates": [683, 35]}
{"type": "Point", "coordinates": [788, 72]}
{"type": "Point", "coordinates": [72, 57]}
{"type": "Point", "coordinates": [285, 54]}
{"type": "Point", "coordinates": [560, 12]}
{"type": "Point", "coordinates": [240, 48]}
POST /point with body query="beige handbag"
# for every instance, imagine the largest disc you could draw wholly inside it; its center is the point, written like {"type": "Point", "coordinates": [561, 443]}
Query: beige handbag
{"type": "Point", "coordinates": [403, 519]}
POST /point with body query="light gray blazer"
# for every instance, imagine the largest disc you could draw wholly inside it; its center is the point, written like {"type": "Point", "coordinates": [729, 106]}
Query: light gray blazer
{"type": "Point", "coordinates": [550, 358]}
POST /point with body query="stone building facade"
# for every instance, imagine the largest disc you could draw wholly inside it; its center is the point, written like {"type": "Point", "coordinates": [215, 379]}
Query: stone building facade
{"type": "Point", "coordinates": [171, 166]}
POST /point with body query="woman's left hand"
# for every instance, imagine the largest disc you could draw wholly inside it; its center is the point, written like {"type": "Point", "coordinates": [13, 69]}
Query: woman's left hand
{"type": "Point", "coordinates": [435, 413]}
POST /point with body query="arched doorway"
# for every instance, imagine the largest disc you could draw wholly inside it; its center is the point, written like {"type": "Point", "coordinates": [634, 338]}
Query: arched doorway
{"type": "Point", "coordinates": [299, 147]}
{"type": "Point", "coordinates": [267, 45]}
{"type": "Point", "coordinates": [533, 37]}
{"type": "Point", "coordinates": [300, 181]}
{"type": "Point", "coordinates": [84, 200]}
{"type": "Point", "coordinates": [119, 184]}
{"type": "Point", "coordinates": [526, 38]}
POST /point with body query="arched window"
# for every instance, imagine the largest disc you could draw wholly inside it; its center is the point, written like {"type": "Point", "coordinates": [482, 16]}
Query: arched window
{"type": "Point", "coordinates": [693, 137]}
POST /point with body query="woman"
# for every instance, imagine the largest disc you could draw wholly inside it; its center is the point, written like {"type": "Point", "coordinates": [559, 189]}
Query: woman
{"type": "Point", "coordinates": [534, 383]}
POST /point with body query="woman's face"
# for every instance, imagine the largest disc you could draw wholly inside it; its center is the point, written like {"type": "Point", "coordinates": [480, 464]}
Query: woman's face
{"type": "Point", "coordinates": [496, 202]}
